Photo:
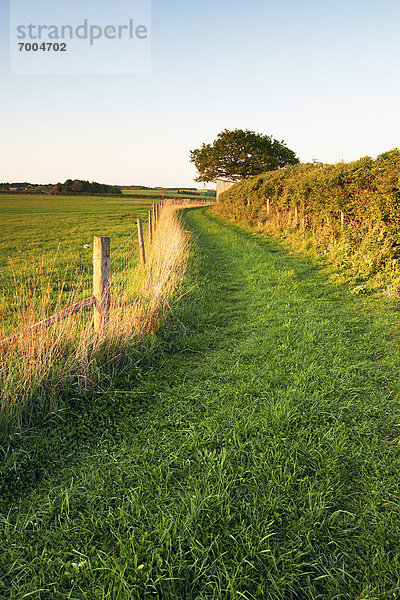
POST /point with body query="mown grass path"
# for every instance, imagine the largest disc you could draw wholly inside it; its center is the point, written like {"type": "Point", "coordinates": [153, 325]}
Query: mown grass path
{"type": "Point", "coordinates": [252, 451]}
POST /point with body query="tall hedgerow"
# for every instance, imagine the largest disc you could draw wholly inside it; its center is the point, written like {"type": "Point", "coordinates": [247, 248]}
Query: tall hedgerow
{"type": "Point", "coordinates": [349, 212]}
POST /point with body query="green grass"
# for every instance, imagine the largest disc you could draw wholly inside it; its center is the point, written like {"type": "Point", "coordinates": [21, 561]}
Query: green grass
{"type": "Point", "coordinates": [169, 193]}
{"type": "Point", "coordinates": [43, 239]}
{"type": "Point", "coordinates": [250, 450]}
{"type": "Point", "coordinates": [35, 227]}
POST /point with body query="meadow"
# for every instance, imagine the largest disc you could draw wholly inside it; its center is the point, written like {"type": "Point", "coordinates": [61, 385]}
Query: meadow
{"type": "Point", "coordinates": [57, 227]}
{"type": "Point", "coordinates": [44, 239]}
{"type": "Point", "coordinates": [170, 194]}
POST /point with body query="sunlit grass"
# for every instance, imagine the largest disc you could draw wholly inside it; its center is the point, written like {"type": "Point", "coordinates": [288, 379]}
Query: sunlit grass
{"type": "Point", "coordinates": [38, 370]}
{"type": "Point", "coordinates": [41, 229]}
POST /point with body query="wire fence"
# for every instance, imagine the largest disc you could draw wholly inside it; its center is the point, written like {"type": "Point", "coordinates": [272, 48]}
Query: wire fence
{"type": "Point", "coordinates": [45, 284]}
{"type": "Point", "coordinates": [124, 262]}
{"type": "Point", "coordinates": [51, 288]}
{"type": "Point", "coordinates": [42, 286]}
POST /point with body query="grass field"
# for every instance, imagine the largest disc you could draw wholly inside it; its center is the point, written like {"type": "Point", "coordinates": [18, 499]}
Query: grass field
{"type": "Point", "coordinates": [250, 450]}
{"type": "Point", "coordinates": [43, 239]}
{"type": "Point", "coordinates": [170, 193]}
{"type": "Point", "coordinates": [36, 227]}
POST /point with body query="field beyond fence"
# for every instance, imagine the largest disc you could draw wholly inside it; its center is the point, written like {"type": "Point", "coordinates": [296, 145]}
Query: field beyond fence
{"type": "Point", "coordinates": [60, 326]}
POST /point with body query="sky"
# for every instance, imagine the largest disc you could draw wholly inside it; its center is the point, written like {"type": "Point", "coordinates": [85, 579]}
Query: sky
{"type": "Point", "coordinates": [322, 75]}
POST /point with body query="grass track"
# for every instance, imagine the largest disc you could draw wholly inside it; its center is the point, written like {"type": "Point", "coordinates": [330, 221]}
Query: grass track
{"type": "Point", "coordinates": [250, 451]}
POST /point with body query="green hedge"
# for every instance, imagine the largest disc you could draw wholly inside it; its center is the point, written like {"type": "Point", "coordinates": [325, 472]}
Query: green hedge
{"type": "Point", "coordinates": [366, 191]}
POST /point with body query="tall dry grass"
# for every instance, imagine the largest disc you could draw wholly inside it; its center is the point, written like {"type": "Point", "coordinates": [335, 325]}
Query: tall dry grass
{"type": "Point", "coordinates": [38, 370]}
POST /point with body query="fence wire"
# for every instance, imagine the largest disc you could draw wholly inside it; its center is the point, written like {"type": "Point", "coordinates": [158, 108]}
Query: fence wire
{"type": "Point", "coordinates": [46, 283]}
{"type": "Point", "coordinates": [125, 271]}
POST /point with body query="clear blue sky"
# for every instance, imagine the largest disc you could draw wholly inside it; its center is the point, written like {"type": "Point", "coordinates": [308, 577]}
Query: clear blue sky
{"type": "Point", "coordinates": [321, 74]}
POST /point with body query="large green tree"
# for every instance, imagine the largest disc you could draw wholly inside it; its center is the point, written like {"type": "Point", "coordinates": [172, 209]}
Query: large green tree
{"type": "Point", "coordinates": [240, 154]}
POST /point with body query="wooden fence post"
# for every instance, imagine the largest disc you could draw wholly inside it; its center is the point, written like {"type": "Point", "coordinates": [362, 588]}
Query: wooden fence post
{"type": "Point", "coordinates": [141, 242]}
{"type": "Point", "coordinates": [268, 206]}
{"type": "Point", "coordinates": [154, 217]}
{"type": "Point", "coordinates": [342, 219]}
{"type": "Point", "coordinates": [150, 227]}
{"type": "Point", "coordinates": [101, 280]}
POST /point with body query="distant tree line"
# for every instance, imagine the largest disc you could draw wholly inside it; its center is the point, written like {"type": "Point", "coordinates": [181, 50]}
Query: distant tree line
{"type": "Point", "coordinates": [135, 187]}
{"type": "Point", "coordinates": [70, 186]}
{"type": "Point", "coordinates": [5, 187]}
{"type": "Point", "coordinates": [78, 186]}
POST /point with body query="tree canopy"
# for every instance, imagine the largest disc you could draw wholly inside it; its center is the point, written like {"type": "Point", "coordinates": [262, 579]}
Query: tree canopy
{"type": "Point", "coordinates": [239, 154]}
{"type": "Point", "coordinates": [78, 186]}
